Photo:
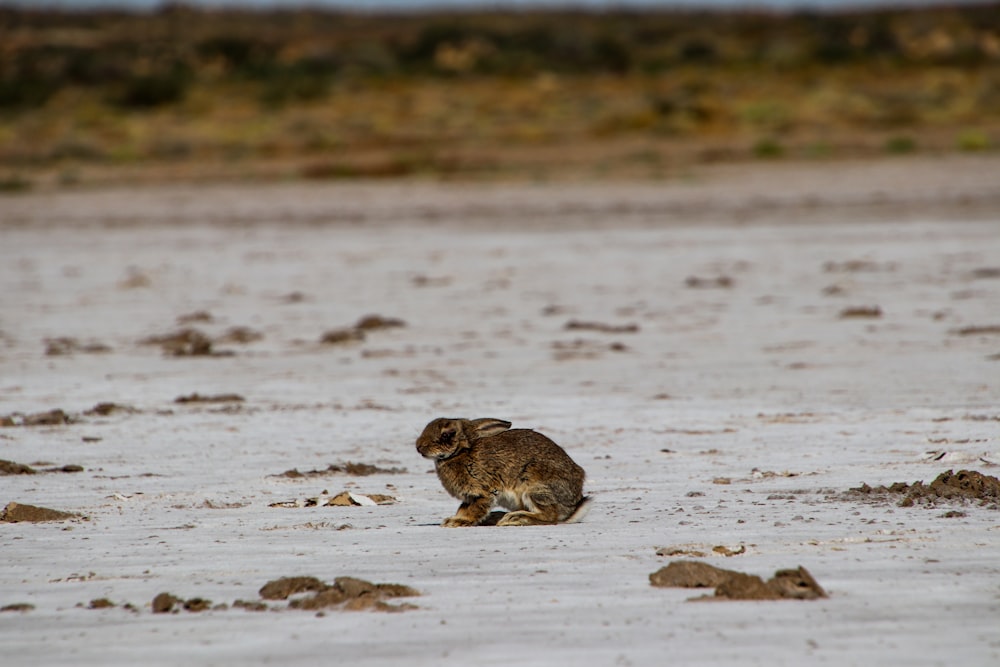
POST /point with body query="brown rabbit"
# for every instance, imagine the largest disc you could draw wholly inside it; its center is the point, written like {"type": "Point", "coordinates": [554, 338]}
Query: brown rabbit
{"type": "Point", "coordinates": [483, 464]}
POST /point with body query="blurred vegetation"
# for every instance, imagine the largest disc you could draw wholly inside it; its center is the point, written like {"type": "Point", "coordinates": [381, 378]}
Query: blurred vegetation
{"type": "Point", "coordinates": [354, 95]}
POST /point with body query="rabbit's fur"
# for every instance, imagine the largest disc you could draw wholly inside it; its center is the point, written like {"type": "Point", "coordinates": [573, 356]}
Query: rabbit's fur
{"type": "Point", "coordinates": [485, 464]}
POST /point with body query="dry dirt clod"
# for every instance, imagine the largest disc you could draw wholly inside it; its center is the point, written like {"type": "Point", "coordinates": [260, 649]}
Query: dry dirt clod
{"type": "Point", "coordinates": [861, 312]}
{"type": "Point", "coordinates": [214, 398]}
{"type": "Point", "coordinates": [164, 603]}
{"type": "Point", "coordinates": [17, 606]}
{"type": "Point", "coordinates": [795, 584]}
{"type": "Point", "coordinates": [100, 603]}
{"type": "Point", "coordinates": [601, 327]}
{"type": "Point", "coordinates": [11, 468]}
{"type": "Point", "coordinates": [281, 589]}
{"type": "Point", "coordinates": [16, 513]}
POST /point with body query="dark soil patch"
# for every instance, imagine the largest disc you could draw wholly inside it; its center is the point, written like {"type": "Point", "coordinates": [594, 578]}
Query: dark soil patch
{"type": "Point", "coordinates": [17, 513]}
{"type": "Point", "coordinates": [356, 334]}
{"type": "Point", "coordinates": [347, 593]}
{"type": "Point", "coordinates": [240, 335]}
{"type": "Point", "coordinates": [54, 417]}
{"type": "Point", "coordinates": [199, 316]}
{"type": "Point", "coordinates": [187, 342]}
{"type": "Point", "coordinates": [17, 606]}
{"type": "Point", "coordinates": [601, 327]}
{"type": "Point", "coordinates": [717, 282]}
{"type": "Point", "coordinates": [982, 330]}
{"type": "Point", "coordinates": [166, 602]}
{"type": "Point", "coordinates": [348, 468]}
{"type": "Point", "coordinates": [965, 486]}
{"type": "Point", "coordinates": [64, 345]}
{"type": "Point", "coordinates": [375, 322]}
{"type": "Point", "coordinates": [108, 408]}
{"type": "Point", "coordinates": [342, 336]}
{"type": "Point", "coordinates": [101, 603]}
{"type": "Point", "coordinates": [11, 468]}
{"type": "Point", "coordinates": [985, 272]}
{"type": "Point", "coordinates": [213, 398]}
{"type": "Point", "coordinates": [795, 584]}
{"type": "Point", "coordinates": [861, 312]}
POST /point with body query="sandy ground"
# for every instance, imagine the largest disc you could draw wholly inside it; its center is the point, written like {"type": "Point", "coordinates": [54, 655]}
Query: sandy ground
{"type": "Point", "coordinates": [798, 331]}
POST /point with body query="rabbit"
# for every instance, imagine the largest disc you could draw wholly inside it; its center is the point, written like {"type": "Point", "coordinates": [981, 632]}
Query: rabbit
{"type": "Point", "coordinates": [484, 464]}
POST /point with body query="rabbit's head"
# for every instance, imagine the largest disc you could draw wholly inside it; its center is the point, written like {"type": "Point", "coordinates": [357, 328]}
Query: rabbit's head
{"type": "Point", "coordinates": [444, 438]}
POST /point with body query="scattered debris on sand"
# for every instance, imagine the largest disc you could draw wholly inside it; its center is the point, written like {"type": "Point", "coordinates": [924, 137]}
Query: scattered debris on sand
{"type": "Point", "coordinates": [348, 468]}
{"type": "Point", "coordinates": [213, 398]}
{"type": "Point", "coordinates": [54, 417]}
{"type": "Point", "coordinates": [342, 336]}
{"type": "Point", "coordinates": [796, 584]}
{"type": "Point", "coordinates": [717, 282]}
{"type": "Point", "coordinates": [108, 408]}
{"type": "Point", "coordinates": [188, 342]}
{"type": "Point", "coordinates": [64, 345]}
{"type": "Point", "coordinates": [17, 513]}
{"type": "Point", "coordinates": [601, 327]}
{"type": "Point", "coordinates": [240, 335]}
{"type": "Point", "coordinates": [347, 593]}
{"type": "Point", "coordinates": [965, 485]}
{"type": "Point", "coordinates": [857, 266]}
{"type": "Point", "coordinates": [199, 316]}
{"type": "Point", "coordinates": [985, 272]}
{"type": "Point", "coordinates": [861, 312]}
{"type": "Point", "coordinates": [12, 468]}
{"type": "Point", "coordinates": [375, 322]}
{"type": "Point", "coordinates": [342, 499]}
{"type": "Point", "coordinates": [356, 334]}
{"type": "Point", "coordinates": [980, 330]}
{"type": "Point", "coordinates": [166, 602]}
{"type": "Point", "coordinates": [584, 349]}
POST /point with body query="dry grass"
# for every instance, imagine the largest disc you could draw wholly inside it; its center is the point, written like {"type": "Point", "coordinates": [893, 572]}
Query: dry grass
{"type": "Point", "coordinates": [187, 94]}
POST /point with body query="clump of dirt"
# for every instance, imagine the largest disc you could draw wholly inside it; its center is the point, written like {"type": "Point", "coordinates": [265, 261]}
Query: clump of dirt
{"type": "Point", "coordinates": [985, 272]}
{"type": "Point", "coordinates": [375, 322]}
{"type": "Point", "coordinates": [165, 603]}
{"type": "Point", "coordinates": [347, 593]}
{"type": "Point", "coordinates": [11, 468]}
{"type": "Point", "coordinates": [601, 327]}
{"type": "Point", "coordinates": [348, 468]}
{"type": "Point", "coordinates": [282, 589]}
{"type": "Point", "coordinates": [188, 342]}
{"type": "Point", "coordinates": [211, 398]}
{"type": "Point", "coordinates": [240, 335]}
{"type": "Point", "coordinates": [250, 605]}
{"type": "Point", "coordinates": [17, 513]}
{"type": "Point", "coordinates": [342, 499]}
{"type": "Point", "coordinates": [355, 334]}
{"type": "Point", "coordinates": [717, 282]}
{"type": "Point", "coordinates": [202, 316]}
{"type": "Point", "coordinates": [54, 417]}
{"type": "Point", "coordinates": [980, 330]}
{"type": "Point", "coordinates": [965, 485]}
{"type": "Point", "coordinates": [797, 584]}
{"type": "Point", "coordinates": [584, 349]}
{"type": "Point", "coordinates": [64, 345]}
{"type": "Point", "coordinates": [856, 266]}
{"type": "Point", "coordinates": [342, 336]}
{"type": "Point", "coordinates": [17, 606]}
{"type": "Point", "coordinates": [108, 408]}
{"type": "Point", "coordinates": [861, 312]}
{"type": "Point", "coordinates": [101, 603]}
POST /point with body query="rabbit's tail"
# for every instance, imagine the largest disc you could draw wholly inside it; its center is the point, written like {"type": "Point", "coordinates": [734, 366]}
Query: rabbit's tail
{"type": "Point", "coordinates": [581, 510]}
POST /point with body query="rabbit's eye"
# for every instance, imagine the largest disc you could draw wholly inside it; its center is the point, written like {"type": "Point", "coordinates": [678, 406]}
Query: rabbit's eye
{"type": "Point", "coordinates": [446, 437]}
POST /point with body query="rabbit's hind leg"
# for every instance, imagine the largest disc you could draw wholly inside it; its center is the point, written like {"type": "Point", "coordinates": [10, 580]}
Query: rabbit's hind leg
{"type": "Point", "coordinates": [541, 508]}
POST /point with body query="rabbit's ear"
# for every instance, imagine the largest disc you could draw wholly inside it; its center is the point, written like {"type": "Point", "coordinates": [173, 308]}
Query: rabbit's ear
{"type": "Point", "coordinates": [483, 428]}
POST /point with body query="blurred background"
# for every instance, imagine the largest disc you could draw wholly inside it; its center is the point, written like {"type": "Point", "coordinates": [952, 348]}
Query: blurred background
{"type": "Point", "coordinates": [138, 90]}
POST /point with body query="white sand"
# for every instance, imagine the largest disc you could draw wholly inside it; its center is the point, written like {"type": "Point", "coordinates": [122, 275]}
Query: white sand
{"type": "Point", "coordinates": [761, 384]}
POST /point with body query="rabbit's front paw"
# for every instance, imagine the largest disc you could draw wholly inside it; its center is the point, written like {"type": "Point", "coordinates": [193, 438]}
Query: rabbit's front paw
{"type": "Point", "coordinates": [457, 522]}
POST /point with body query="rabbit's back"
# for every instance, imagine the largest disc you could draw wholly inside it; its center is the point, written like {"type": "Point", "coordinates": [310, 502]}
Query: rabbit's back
{"type": "Point", "coordinates": [521, 456]}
